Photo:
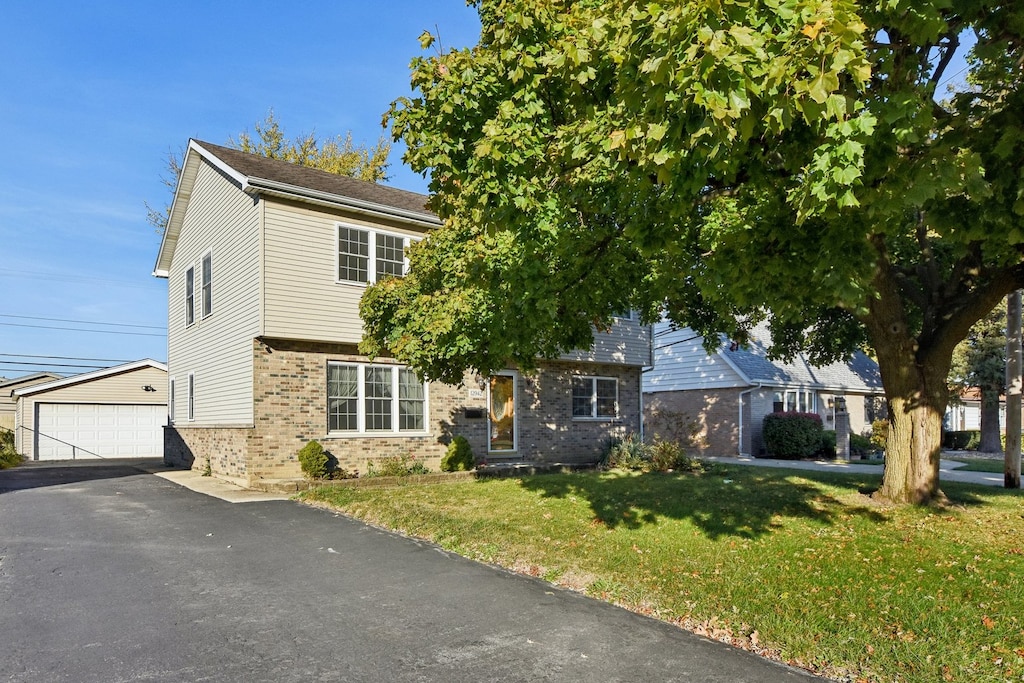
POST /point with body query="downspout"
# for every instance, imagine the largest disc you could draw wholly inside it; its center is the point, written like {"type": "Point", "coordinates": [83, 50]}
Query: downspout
{"type": "Point", "coordinates": [746, 391]}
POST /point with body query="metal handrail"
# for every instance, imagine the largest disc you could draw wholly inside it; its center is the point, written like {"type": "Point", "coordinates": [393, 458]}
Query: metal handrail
{"type": "Point", "coordinates": [74, 448]}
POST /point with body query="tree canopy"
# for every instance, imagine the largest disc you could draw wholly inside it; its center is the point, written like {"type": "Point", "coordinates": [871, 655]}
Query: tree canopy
{"type": "Point", "coordinates": [729, 161]}
{"type": "Point", "coordinates": [338, 154]}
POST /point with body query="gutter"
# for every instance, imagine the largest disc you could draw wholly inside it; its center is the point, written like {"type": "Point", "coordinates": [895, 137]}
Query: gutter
{"type": "Point", "coordinates": [262, 185]}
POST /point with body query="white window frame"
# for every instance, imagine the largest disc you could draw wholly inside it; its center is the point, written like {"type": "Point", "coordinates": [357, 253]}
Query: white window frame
{"type": "Point", "coordinates": [594, 398]}
{"type": "Point", "coordinates": [361, 429]}
{"type": "Point", "coordinates": [791, 399]}
{"type": "Point", "coordinates": [204, 284]}
{"type": "Point", "coordinates": [170, 401]}
{"type": "Point", "coordinates": [191, 393]}
{"type": "Point", "coordinates": [190, 297]}
{"type": "Point", "coordinates": [371, 248]}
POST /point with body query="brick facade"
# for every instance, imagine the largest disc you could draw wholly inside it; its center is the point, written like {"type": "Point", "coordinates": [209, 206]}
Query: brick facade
{"type": "Point", "coordinates": [290, 409]}
{"type": "Point", "coordinates": [713, 415]}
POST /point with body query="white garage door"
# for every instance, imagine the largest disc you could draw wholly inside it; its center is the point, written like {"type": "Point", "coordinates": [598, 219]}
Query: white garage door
{"type": "Point", "coordinates": [79, 430]}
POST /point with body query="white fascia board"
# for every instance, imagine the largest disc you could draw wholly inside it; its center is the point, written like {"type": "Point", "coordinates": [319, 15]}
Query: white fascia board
{"type": "Point", "coordinates": [90, 376]}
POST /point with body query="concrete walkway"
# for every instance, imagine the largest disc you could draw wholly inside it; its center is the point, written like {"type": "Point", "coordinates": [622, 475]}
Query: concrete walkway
{"type": "Point", "coordinates": [949, 470]}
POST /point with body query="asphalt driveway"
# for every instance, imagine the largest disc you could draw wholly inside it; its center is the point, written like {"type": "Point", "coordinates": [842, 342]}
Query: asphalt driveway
{"type": "Point", "coordinates": [109, 573]}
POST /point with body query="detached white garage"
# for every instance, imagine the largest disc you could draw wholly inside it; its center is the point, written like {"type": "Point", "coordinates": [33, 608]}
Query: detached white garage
{"type": "Point", "coordinates": [117, 412]}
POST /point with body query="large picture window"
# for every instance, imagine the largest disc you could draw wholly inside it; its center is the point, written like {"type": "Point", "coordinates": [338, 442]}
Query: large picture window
{"type": "Point", "coordinates": [800, 401]}
{"type": "Point", "coordinates": [374, 399]}
{"type": "Point", "coordinates": [367, 256]}
{"type": "Point", "coordinates": [595, 397]}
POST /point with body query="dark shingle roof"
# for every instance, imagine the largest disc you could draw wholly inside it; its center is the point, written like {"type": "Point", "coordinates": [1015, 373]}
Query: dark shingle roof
{"type": "Point", "coordinates": [859, 373]}
{"type": "Point", "coordinates": [256, 166]}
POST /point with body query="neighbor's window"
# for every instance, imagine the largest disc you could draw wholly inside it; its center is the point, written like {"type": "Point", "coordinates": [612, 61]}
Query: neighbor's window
{"type": "Point", "coordinates": [190, 296]}
{"type": "Point", "coordinates": [595, 397]}
{"type": "Point", "coordinates": [368, 256]}
{"type": "Point", "coordinates": [170, 401]}
{"type": "Point", "coordinates": [800, 401]}
{"type": "Point", "coordinates": [362, 398]}
{"type": "Point", "coordinates": [207, 284]}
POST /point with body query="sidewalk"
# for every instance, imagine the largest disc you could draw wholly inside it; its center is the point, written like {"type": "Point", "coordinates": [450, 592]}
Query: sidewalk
{"type": "Point", "coordinates": [948, 469]}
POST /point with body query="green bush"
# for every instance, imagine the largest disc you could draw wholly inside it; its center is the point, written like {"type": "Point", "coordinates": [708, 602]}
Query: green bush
{"type": "Point", "coordinates": [314, 461]}
{"type": "Point", "coordinates": [667, 455]}
{"type": "Point", "coordinates": [879, 433]}
{"type": "Point", "coordinates": [961, 440]}
{"type": "Point", "coordinates": [8, 456]}
{"type": "Point", "coordinates": [827, 446]}
{"type": "Point", "coordinates": [630, 453]}
{"type": "Point", "coordinates": [791, 435]}
{"type": "Point", "coordinates": [459, 457]}
{"type": "Point", "coordinates": [396, 466]}
{"type": "Point", "coordinates": [862, 446]}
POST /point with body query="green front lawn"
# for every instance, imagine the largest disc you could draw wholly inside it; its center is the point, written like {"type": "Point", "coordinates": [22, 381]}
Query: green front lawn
{"type": "Point", "coordinates": [980, 464]}
{"type": "Point", "coordinates": [801, 566]}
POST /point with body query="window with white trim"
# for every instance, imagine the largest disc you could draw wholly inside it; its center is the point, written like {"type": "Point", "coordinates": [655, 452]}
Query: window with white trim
{"type": "Point", "coordinates": [207, 275]}
{"type": "Point", "coordinates": [595, 397]}
{"type": "Point", "coordinates": [374, 399]}
{"type": "Point", "coordinates": [367, 256]}
{"type": "Point", "coordinates": [799, 401]}
{"type": "Point", "coordinates": [191, 396]}
{"type": "Point", "coordinates": [170, 401]}
{"type": "Point", "coordinates": [190, 296]}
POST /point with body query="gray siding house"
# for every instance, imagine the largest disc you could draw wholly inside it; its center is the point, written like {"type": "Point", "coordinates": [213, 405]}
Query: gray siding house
{"type": "Point", "coordinates": [266, 263]}
{"type": "Point", "coordinates": [726, 394]}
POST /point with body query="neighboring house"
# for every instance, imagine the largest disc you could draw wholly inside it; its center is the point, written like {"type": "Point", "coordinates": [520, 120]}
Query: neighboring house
{"type": "Point", "coordinates": [266, 262]}
{"type": "Point", "coordinates": [964, 414]}
{"type": "Point", "coordinates": [7, 400]}
{"type": "Point", "coordinates": [726, 394]}
{"type": "Point", "coordinates": [115, 412]}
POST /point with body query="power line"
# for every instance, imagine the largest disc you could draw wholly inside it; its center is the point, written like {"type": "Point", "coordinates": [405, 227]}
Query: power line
{"type": "Point", "coordinates": [67, 277]}
{"type": "Point", "coordinates": [52, 365]}
{"type": "Point", "coordinates": [80, 322]}
{"type": "Point", "coordinates": [78, 329]}
{"type": "Point", "coordinates": [29, 355]}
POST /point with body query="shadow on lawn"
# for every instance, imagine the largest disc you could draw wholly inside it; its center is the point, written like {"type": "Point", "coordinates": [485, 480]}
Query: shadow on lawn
{"type": "Point", "coordinates": [720, 502]}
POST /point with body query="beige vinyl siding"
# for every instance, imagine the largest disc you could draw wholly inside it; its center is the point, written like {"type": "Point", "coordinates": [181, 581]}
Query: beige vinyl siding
{"type": "Point", "coordinates": [225, 221]}
{"type": "Point", "coordinates": [7, 406]}
{"type": "Point", "coordinates": [302, 296]}
{"type": "Point", "coordinates": [681, 363]}
{"type": "Point", "coordinates": [627, 343]}
{"type": "Point", "coordinates": [124, 388]}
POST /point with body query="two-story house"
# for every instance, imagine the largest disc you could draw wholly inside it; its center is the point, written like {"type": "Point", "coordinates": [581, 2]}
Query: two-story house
{"type": "Point", "coordinates": [266, 262]}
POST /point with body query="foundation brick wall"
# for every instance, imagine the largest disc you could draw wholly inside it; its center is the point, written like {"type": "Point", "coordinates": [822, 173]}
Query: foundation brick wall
{"type": "Point", "coordinates": [668, 414]}
{"type": "Point", "coordinates": [290, 409]}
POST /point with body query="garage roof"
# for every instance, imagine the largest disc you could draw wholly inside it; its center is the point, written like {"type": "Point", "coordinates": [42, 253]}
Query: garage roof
{"type": "Point", "coordinates": [90, 376]}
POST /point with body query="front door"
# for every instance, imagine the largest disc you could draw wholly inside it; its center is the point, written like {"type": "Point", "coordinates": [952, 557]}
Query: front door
{"type": "Point", "coordinates": [502, 409]}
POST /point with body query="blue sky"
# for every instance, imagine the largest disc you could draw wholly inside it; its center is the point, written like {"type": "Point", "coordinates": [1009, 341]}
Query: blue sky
{"type": "Point", "coordinates": [94, 95]}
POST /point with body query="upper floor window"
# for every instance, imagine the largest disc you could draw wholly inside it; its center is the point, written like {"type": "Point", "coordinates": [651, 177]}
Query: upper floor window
{"type": "Point", "coordinates": [190, 296]}
{"type": "Point", "coordinates": [368, 256]}
{"type": "Point", "coordinates": [595, 397]}
{"type": "Point", "coordinates": [207, 274]}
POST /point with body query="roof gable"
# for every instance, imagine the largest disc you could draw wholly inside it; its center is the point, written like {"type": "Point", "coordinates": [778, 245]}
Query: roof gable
{"type": "Point", "coordinates": [90, 376]}
{"type": "Point", "coordinates": [256, 175]}
{"type": "Point", "coordinates": [7, 387]}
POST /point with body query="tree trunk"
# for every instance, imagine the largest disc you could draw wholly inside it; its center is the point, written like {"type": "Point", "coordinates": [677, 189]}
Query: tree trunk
{"type": "Point", "coordinates": [990, 431]}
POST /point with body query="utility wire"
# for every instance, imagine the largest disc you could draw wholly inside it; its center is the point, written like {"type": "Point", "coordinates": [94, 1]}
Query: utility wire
{"type": "Point", "coordinates": [78, 329]}
{"type": "Point", "coordinates": [52, 365]}
{"type": "Point", "coordinates": [80, 322]}
{"type": "Point", "coordinates": [29, 355]}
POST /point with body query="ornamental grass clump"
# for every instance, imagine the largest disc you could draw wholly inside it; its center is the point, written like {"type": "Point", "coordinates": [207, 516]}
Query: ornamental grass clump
{"type": "Point", "coordinates": [792, 435]}
{"type": "Point", "coordinates": [396, 466]}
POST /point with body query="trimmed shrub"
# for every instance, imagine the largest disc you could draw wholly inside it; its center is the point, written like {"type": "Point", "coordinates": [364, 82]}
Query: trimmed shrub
{"type": "Point", "coordinates": [827, 446]}
{"type": "Point", "coordinates": [792, 435]}
{"type": "Point", "coordinates": [667, 455]}
{"type": "Point", "coordinates": [961, 440]}
{"type": "Point", "coordinates": [862, 446]}
{"type": "Point", "coordinates": [459, 456]}
{"type": "Point", "coordinates": [313, 460]}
